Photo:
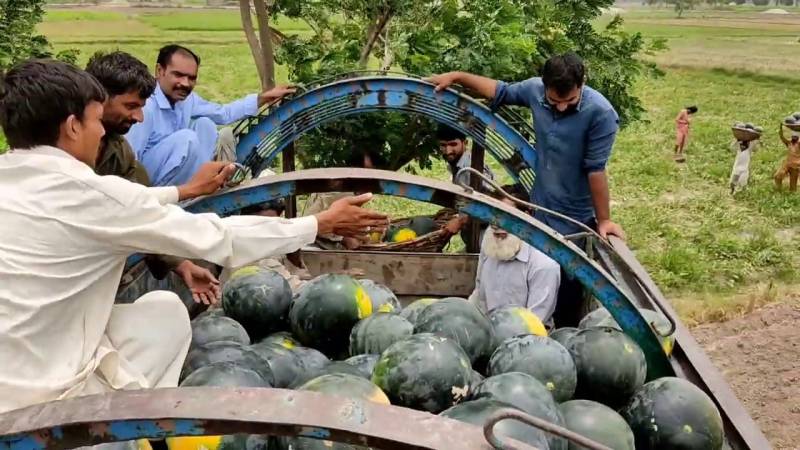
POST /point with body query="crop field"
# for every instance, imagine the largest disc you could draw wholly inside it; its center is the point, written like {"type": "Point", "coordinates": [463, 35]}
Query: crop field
{"type": "Point", "coordinates": [704, 247]}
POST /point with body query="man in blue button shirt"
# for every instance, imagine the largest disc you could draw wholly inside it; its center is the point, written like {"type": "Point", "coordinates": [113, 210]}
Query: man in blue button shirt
{"type": "Point", "coordinates": [179, 130]}
{"type": "Point", "coordinates": [575, 131]}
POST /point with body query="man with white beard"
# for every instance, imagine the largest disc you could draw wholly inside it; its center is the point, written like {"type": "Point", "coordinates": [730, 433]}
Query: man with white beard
{"type": "Point", "coordinates": [511, 272]}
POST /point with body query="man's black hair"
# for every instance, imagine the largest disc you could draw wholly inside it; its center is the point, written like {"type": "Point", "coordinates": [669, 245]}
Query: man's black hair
{"type": "Point", "coordinates": [448, 133]}
{"type": "Point", "coordinates": [38, 95]}
{"type": "Point", "coordinates": [120, 73]}
{"type": "Point", "coordinates": [356, 159]}
{"type": "Point", "coordinates": [692, 109]}
{"type": "Point", "coordinates": [564, 73]}
{"type": "Point", "coordinates": [166, 52]}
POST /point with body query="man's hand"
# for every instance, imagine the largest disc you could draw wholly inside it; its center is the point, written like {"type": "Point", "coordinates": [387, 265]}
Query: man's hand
{"type": "Point", "coordinates": [454, 225]}
{"type": "Point", "coordinates": [201, 282]}
{"type": "Point", "coordinates": [275, 93]}
{"type": "Point", "coordinates": [607, 228]}
{"type": "Point", "coordinates": [444, 80]}
{"type": "Point", "coordinates": [346, 218]}
{"type": "Point", "coordinates": [210, 177]}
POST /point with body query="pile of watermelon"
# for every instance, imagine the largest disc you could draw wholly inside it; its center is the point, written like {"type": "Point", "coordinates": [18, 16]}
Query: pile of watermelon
{"type": "Point", "coordinates": [349, 337]}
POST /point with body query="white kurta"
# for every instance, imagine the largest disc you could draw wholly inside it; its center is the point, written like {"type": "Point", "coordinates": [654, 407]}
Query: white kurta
{"type": "Point", "coordinates": [66, 233]}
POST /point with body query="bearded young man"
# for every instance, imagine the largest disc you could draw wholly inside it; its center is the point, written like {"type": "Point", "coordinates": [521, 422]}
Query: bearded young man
{"type": "Point", "coordinates": [512, 272]}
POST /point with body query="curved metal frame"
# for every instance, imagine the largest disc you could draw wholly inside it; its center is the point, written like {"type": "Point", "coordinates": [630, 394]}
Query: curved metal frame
{"type": "Point", "coordinates": [262, 138]}
{"type": "Point", "coordinates": [572, 259]}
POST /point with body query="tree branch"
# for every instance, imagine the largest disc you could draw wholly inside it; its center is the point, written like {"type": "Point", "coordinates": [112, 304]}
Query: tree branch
{"type": "Point", "coordinates": [373, 32]}
{"type": "Point", "coordinates": [252, 40]}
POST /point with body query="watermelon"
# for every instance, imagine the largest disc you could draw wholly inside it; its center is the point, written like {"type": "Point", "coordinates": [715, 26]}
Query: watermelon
{"type": "Point", "coordinates": [460, 320]}
{"type": "Point", "coordinates": [477, 412]}
{"type": "Point", "coordinates": [221, 351]}
{"type": "Point", "coordinates": [562, 335]}
{"type": "Point", "coordinates": [597, 422]}
{"type": "Point", "coordinates": [344, 368]}
{"type": "Point", "coordinates": [226, 374]}
{"type": "Point", "coordinates": [594, 318]}
{"type": "Point", "coordinates": [285, 364]}
{"type": "Point", "coordinates": [311, 361]}
{"type": "Point", "coordinates": [376, 333]}
{"type": "Point", "coordinates": [282, 338]}
{"type": "Point", "coordinates": [422, 225]}
{"type": "Point", "coordinates": [652, 317]}
{"type": "Point", "coordinates": [212, 311]}
{"type": "Point", "coordinates": [610, 365]}
{"type": "Point", "coordinates": [326, 310]}
{"type": "Point", "coordinates": [672, 413]}
{"type": "Point", "coordinates": [425, 372]}
{"type": "Point", "coordinates": [258, 299]}
{"type": "Point", "coordinates": [364, 364]}
{"type": "Point", "coordinates": [527, 394]}
{"type": "Point", "coordinates": [475, 380]}
{"type": "Point", "coordinates": [213, 328]}
{"type": "Point", "coordinates": [509, 321]}
{"type": "Point", "coordinates": [383, 299]}
{"type": "Point", "coordinates": [411, 312]}
{"type": "Point", "coordinates": [542, 358]}
{"type": "Point", "coordinates": [400, 234]}
{"type": "Point", "coordinates": [342, 385]}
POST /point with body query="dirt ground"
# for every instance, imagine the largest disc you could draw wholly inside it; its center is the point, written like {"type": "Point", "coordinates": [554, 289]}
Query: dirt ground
{"type": "Point", "coordinates": [759, 355]}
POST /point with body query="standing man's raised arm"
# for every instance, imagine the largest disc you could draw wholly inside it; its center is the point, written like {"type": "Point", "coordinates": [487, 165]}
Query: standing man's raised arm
{"type": "Point", "coordinates": [485, 87]}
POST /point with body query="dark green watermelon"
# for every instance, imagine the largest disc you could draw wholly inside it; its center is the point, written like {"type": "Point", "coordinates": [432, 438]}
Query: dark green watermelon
{"type": "Point", "coordinates": [258, 299]}
{"type": "Point", "coordinates": [326, 310]}
{"type": "Point", "coordinates": [341, 385]}
{"type": "Point", "coordinates": [245, 442]}
{"type": "Point", "coordinates": [477, 412]}
{"type": "Point", "coordinates": [342, 367]}
{"type": "Point", "coordinates": [527, 394]}
{"type": "Point", "coordinates": [509, 321]}
{"type": "Point", "coordinates": [460, 320]}
{"type": "Point", "coordinates": [562, 335]}
{"type": "Point", "coordinates": [610, 365]}
{"type": "Point", "coordinates": [285, 364]}
{"type": "Point", "coordinates": [214, 328]}
{"type": "Point", "coordinates": [364, 363]}
{"type": "Point", "coordinates": [211, 311]}
{"type": "Point", "coordinates": [225, 374]}
{"type": "Point", "coordinates": [222, 351]}
{"type": "Point", "coordinates": [597, 422]}
{"type": "Point", "coordinates": [425, 372]}
{"type": "Point", "coordinates": [673, 414]}
{"type": "Point", "coordinates": [654, 318]}
{"type": "Point", "coordinates": [282, 338]}
{"type": "Point", "coordinates": [311, 361]}
{"type": "Point", "coordinates": [422, 225]}
{"type": "Point", "coordinates": [411, 312]}
{"type": "Point", "coordinates": [382, 298]}
{"type": "Point", "coordinates": [594, 318]}
{"type": "Point", "coordinates": [376, 333]}
{"type": "Point", "coordinates": [475, 380]}
{"type": "Point", "coordinates": [542, 358]}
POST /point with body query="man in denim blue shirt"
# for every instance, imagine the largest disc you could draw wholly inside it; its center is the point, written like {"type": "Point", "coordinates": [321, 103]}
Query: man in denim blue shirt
{"type": "Point", "coordinates": [179, 130]}
{"type": "Point", "coordinates": [575, 131]}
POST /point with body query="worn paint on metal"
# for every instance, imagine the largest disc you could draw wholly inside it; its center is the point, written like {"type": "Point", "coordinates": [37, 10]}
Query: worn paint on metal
{"type": "Point", "coordinates": [266, 136]}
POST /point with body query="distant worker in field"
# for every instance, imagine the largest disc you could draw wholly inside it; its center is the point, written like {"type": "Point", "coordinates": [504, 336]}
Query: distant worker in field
{"type": "Point", "coordinates": [791, 165]}
{"type": "Point", "coordinates": [179, 131]}
{"type": "Point", "coordinates": [575, 131]}
{"type": "Point", "coordinates": [128, 84]}
{"type": "Point", "coordinates": [453, 148]}
{"type": "Point", "coordinates": [511, 272]}
{"type": "Point", "coordinates": [682, 124]}
{"type": "Point", "coordinates": [740, 173]}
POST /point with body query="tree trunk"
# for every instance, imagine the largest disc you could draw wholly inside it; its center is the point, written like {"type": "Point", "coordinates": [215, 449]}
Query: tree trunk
{"type": "Point", "coordinates": [373, 32]}
{"type": "Point", "coordinates": [388, 57]}
{"type": "Point", "coordinates": [252, 39]}
{"type": "Point", "coordinates": [263, 10]}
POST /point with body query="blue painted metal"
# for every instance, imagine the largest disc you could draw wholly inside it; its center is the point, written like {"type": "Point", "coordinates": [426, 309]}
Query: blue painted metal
{"type": "Point", "coordinates": [266, 136]}
{"type": "Point", "coordinates": [572, 259]}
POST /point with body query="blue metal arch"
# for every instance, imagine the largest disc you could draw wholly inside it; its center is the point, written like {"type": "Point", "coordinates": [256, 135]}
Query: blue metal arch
{"type": "Point", "coordinates": [573, 260]}
{"type": "Point", "coordinates": [264, 137]}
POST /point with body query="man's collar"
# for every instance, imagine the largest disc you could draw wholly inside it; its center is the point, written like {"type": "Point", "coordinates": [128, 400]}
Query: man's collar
{"type": "Point", "coordinates": [161, 99]}
{"type": "Point", "coordinates": [44, 150]}
{"type": "Point", "coordinates": [524, 253]}
{"type": "Point", "coordinates": [543, 99]}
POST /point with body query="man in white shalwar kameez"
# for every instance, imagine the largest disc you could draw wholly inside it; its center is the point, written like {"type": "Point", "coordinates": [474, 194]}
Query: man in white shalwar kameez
{"type": "Point", "coordinates": [67, 233]}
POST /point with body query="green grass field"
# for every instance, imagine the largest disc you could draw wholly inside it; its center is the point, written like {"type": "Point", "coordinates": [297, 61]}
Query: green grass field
{"type": "Point", "coordinates": [700, 244]}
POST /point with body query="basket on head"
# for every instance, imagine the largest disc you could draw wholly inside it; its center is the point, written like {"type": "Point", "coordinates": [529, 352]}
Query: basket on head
{"type": "Point", "coordinates": [433, 242]}
{"type": "Point", "coordinates": [745, 134]}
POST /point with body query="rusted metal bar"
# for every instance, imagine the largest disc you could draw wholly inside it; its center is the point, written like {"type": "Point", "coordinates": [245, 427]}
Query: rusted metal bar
{"type": "Point", "coordinates": [477, 163]}
{"type": "Point", "coordinates": [288, 166]}
{"type": "Point", "coordinates": [159, 413]}
{"type": "Point", "coordinates": [548, 427]}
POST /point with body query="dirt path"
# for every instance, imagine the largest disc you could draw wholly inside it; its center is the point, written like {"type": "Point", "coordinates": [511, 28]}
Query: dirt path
{"type": "Point", "coordinates": [759, 355]}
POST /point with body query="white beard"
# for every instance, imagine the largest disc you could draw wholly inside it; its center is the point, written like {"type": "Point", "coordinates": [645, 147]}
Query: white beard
{"type": "Point", "coordinates": [502, 249]}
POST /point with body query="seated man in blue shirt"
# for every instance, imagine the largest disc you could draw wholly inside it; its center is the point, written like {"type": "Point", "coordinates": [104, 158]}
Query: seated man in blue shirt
{"type": "Point", "coordinates": [575, 130]}
{"type": "Point", "coordinates": [179, 131]}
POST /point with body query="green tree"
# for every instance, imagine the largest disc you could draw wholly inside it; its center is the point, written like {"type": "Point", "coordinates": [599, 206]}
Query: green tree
{"type": "Point", "coordinates": [18, 37]}
{"type": "Point", "coordinates": [503, 39]}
